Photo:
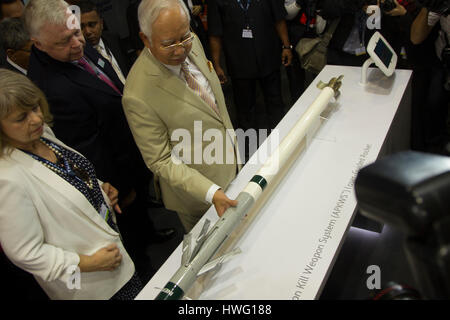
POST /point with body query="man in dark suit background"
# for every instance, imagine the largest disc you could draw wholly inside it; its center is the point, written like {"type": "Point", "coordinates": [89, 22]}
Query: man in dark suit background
{"type": "Point", "coordinates": [107, 44]}
{"type": "Point", "coordinates": [16, 43]}
{"type": "Point", "coordinates": [84, 94]}
{"type": "Point", "coordinates": [9, 9]}
{"type": "Point", "coordinates": [196, 7]}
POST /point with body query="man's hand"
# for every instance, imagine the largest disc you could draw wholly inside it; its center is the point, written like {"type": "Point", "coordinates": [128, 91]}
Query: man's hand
{"type": "Point", "coordinates": [222, 202]}
{"type": "Point", "coordinates": [113, 196]}
{"type": "Point", "coordinates": [221, 74]}
{"type": "Point", "coordinates": [286, 57]}
{"type": "Point", "coordinates": [399, 10]}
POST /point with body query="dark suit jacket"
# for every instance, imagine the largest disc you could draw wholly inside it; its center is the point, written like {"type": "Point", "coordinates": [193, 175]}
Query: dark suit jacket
{"type": "Point", "coordinates": [2, 56]}
{"type": "Point", "coordinates": [88, 115]}
{"type": "Point", "coordinates": [112, 42]}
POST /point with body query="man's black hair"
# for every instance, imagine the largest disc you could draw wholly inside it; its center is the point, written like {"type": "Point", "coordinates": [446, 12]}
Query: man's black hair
{"type": "Point", "coordinates": [6, 2]}
{"type": "Point", "coordinates": [87, 6]}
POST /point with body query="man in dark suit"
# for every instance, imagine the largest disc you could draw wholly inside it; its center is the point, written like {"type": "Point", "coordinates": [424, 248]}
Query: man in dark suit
{"type": "Point", "coordinates": [107, 44]}
{"type": "Point", "coordinates": [84, 94]}
{"type": "Point", "coordinates": [17, 44]}
{"type": "Point", "coordinates": [9, 9]}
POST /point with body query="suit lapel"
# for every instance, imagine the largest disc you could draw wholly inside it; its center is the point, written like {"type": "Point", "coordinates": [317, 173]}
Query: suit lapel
{"type": "Point", "coordinates": [83, 78]}
{"type": "Point", "coordinates": [208, 71]}
{"type": "Point", "coordinates": [114, 46]}
{"type": "Point", "coordinates": [60, 186]}
{"type": "Point", "coordinates": [167, 81]}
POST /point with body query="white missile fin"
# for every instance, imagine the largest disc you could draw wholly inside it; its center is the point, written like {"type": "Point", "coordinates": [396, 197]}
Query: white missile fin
{"type": "Point", "coordinates": [186, 256]}
{"type": "Point", "coordinates": [217, 263]}
{"type": "Point", "coordinates": [201, 238]}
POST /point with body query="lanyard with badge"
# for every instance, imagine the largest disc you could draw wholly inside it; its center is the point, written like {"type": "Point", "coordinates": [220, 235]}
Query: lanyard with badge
{"type": "Point", "coordinates": [67, 169]}
{"type": "Point", "coordinates": [246, 32]}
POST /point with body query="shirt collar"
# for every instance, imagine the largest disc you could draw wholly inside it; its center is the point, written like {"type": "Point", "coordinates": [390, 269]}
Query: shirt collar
{"type": "Point", "coordinates": [175, 69]}
{"type": "Point", "coordinates": [101, 45]}
{"type": "Point", "coordinates": [16, 66]}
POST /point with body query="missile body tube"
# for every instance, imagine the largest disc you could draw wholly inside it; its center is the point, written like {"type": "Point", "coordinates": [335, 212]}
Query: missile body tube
{"type": "Point", "coordinates": [186, 275]}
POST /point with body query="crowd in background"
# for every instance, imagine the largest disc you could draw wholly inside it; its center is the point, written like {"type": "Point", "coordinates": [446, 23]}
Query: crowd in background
{"type": "Point", "coordinates": [250, 43]}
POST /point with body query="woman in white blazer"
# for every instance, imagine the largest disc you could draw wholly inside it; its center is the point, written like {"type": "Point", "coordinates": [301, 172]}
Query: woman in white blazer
{"type": "Point", "coordinates": [56, 218]}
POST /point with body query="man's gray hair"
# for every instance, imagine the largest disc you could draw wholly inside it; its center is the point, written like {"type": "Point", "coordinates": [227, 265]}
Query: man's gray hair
{"type": "Point", "coordinates": [39, 12]}
{"type": "Point", "coordinates": [13, 34]}
{"type": "Point", "coordinates": [149, 11]}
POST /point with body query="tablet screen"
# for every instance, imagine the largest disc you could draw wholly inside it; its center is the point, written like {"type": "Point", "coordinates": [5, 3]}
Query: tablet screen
{"type": "Point", "coordinates": [383, 52]}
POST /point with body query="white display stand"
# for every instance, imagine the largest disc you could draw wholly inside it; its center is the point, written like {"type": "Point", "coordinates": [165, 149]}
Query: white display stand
{"type": "Point", "coordinates": [291, 245]}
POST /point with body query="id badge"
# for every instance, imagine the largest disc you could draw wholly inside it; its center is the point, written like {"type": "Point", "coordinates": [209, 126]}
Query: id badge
{"type": "Point", "coordinates": [104, 212]}
{"type": "Point", "coordinates": [247, 33]}
{"type": "Point", "coordinates": [101, 63]}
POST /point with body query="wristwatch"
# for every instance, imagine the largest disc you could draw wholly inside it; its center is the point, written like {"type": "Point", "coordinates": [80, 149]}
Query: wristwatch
{"type": "Point", "coordinates": [287, 47]}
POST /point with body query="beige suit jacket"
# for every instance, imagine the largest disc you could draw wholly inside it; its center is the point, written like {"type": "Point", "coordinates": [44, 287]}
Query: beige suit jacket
{"type": "Point", "coordinates": [158, 104]}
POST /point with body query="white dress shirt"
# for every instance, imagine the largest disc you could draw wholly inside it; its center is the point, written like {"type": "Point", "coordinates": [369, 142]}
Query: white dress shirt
{"type": "Point", "coordinates": [16, 66]}
{"type": "Point", "coordinates": [108, 55]}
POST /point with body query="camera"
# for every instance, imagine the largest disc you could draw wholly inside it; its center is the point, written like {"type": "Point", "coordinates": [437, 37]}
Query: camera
{"type": "Point", "coordinates": [409, 190]}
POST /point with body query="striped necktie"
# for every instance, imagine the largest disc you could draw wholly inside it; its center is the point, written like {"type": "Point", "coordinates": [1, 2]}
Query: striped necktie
{"type": "Point", "coordinates": [197, 88]}
{"type": "Point", "coordinates": [83, 63]}
{"type": "Point", "coordinates": [107, 54]}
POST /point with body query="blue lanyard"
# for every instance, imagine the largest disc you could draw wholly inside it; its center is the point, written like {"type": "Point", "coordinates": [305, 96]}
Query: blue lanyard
{"type": "Point", "coordinates": [67, 168]}
{"type": "Point", "coordinates": [242, 6]}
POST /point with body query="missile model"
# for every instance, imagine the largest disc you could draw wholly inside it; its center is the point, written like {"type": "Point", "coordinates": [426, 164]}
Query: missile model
{"type": "Point", "coordinates": [197, 262]}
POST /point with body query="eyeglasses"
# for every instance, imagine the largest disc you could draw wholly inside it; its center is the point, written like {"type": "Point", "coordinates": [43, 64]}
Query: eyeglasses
{"type": "Point", "coordinates": [183, 43]}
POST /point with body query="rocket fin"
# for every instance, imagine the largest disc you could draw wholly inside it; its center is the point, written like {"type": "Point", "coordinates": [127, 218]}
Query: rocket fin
{"type": "Point", "coordinates": [187, 249]}
{"type": "Point", "coordinates": [217, 263]}
{"type": "Point", "coordinates": [200, 239]}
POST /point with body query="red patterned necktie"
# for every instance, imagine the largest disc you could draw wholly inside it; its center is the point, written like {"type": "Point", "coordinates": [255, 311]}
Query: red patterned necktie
{"type": "Point", "coordinates": [86, 66]}
{"type": "Point", "coordinates": [197, 88]}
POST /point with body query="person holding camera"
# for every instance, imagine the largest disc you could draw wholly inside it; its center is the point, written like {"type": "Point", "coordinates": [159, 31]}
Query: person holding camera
{"type": "Point", "coordinates": [431, 80]}
{"type": "Point", "coordinates": [426, 20]}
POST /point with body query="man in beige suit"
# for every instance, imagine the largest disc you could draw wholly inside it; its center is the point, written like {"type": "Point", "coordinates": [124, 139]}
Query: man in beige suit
{"type": "Point", "coordinates": [172, 91]}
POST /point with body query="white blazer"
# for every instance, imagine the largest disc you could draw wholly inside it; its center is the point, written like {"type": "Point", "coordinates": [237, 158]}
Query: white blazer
{"type": "Point", "coordinates": [45, 223]}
